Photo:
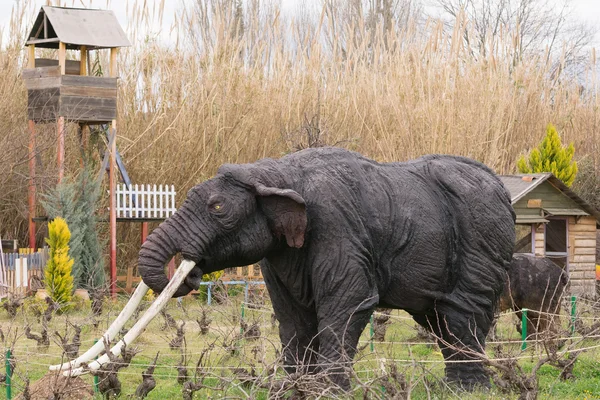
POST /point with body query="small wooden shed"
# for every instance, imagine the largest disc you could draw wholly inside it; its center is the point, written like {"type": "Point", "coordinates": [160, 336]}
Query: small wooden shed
{"type": "Point", "coordinates": [552, 221]}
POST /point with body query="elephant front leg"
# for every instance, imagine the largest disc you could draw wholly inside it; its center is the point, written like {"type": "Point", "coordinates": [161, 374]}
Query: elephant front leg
{"type": "Point", "coordinates": [343, 313]}
{"type": "Point", "coordinates": [297, 327]}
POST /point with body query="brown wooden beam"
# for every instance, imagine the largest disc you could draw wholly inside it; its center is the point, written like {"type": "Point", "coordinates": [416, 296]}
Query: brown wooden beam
{"type": "Point", "coordinates": [31, 59]}
{"type": "Point", "coordinates": [112, 183]}
{"type": "Point", "coordinates": [62, 56]}
{"type": "Point", "coordinates": [83, 61]}
{"type": "Point", "coordinates": [31, 188]}
{"type": "Point", "coordinates": [39, 41]}
{"type": "Point", "coordinates": [60, 147]}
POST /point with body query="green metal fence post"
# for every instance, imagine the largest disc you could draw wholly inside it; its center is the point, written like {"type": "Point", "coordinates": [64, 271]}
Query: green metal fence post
{"type": "Point", "coordinates": [96, 376]}
{"type": "Point", "coordinates": [8, 375]}
{"type": "Point", "coordinates": [524, 328]}
{"type": "Point", "coordinates": [372, 334]}
{"type": "Point", "coordinates": [573, 313]}
{"type": "Point", "coordinates": [241, 328]}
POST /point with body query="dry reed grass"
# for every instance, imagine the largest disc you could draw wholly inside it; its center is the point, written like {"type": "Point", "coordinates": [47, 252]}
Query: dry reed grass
{"type": "Point", "coordinates": [232, 92]}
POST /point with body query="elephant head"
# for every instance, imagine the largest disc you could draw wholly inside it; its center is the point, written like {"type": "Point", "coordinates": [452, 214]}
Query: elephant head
{"type": "Point", "coordinates": [233, 219]}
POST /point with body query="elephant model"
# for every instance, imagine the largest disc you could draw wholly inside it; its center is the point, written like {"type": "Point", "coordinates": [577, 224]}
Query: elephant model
{"type": "Point", "coordinates": [535, 283]}
{"type": "Point", "coordinates": [337, 235]}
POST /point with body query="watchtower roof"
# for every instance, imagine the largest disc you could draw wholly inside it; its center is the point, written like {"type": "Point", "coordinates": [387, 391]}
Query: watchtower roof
{"type": "Point", "coordinates": [96, 29]}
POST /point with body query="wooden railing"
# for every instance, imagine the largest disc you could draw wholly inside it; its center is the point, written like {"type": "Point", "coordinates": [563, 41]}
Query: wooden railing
{"type": "Point", "coordinates": [145, 201]}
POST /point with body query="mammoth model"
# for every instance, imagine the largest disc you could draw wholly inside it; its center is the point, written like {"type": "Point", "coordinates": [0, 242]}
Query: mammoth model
{"type": "Point", "coordinates": [337, 235]}
{"type": "Point", "coordinates": [537, 284]}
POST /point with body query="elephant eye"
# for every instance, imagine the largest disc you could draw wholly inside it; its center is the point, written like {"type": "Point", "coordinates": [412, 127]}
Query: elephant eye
{"type": "Point", "coordinates": [216, 204]}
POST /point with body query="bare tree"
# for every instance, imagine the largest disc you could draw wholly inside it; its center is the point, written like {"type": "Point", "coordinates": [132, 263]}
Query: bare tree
{"type": "Point", "coordinates": [352, 22]}
{"type": "Point", "coordinates": [536, 27]}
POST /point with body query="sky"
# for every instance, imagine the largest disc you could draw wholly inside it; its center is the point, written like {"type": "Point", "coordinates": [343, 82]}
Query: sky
{"type": "Point", "coordinates": [586, 10]}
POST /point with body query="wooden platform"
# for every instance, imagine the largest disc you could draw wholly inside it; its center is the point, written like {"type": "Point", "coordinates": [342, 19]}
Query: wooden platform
{"type": "Point", "coordinates": [86, 99]}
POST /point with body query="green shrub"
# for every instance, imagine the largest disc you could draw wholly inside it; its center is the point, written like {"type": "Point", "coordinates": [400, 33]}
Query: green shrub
{"type": "Point", "coordinates": [57, 276]}
{"type": "Point", "coordinates": [80, 304]}
{"type": "Point", "coordinates": [34, 306]}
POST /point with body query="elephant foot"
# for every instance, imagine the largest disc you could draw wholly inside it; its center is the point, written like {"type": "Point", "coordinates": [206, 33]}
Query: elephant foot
{"type": "Point", "coordinates": [468, 376]}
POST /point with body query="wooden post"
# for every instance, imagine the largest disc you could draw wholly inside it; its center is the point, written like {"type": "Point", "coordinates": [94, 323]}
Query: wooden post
{"type": "Point", "coordinates": [31, 189]}
{"type": "Point", "coordinates": [171, 268]}
{"type": "Point", "coordinates": [62, 57]}
{"type": "Point", "coordinates": [113, 213]}
{"type": "Point", "coordinates": [60, 121]}
{"type": "Point", "coordinates": [31, 59]}
{"type": "Point", "coordinates": [144, 231]}
{"type": "Point", "coordinates": [60, 147]}
{"type": "Point", "coordinates": [83, 61]}
{"type": "Point", "coordinates": [112, 184]}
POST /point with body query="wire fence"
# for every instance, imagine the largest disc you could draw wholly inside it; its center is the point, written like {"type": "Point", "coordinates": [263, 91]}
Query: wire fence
{"type": "Point", "coordinates": [233, 350]}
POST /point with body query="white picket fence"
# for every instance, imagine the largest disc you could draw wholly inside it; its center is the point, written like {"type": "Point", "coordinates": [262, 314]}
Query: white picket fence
{"type": "Point", "coordinates": [145, 201]}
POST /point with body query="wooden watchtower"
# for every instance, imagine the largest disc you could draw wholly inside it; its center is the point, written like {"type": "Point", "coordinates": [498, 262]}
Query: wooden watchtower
{"type": "Point", "coordinates": [61, 91]}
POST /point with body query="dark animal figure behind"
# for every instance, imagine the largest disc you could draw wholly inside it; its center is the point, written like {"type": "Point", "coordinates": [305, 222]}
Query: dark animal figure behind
{"type": "Point", "coordinates": [338, 234]}
{"type": "Point", "coordinates": [538, 284]}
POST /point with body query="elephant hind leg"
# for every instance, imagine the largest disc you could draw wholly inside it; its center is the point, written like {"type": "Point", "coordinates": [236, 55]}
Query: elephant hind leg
{"type": "Point", "coordinates": [462, 340]}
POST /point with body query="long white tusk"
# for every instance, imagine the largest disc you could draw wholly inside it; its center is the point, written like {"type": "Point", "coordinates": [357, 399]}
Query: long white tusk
{"type": "Point", "coordinates": [111, 332]}
{"type": "Point", "coordinates": [184, 269]}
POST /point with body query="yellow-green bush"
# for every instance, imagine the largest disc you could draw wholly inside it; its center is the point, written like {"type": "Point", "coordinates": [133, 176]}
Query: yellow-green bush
{"type": "Point", "coordinates": [57, 276]}
{"type": "Point", "coordinates": [212, 277]}
{"type": "Point", "coordinates": [551, 156]}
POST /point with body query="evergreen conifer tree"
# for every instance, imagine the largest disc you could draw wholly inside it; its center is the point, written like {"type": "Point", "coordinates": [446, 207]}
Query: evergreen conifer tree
{"type": "Point", "coordinates": [551, 156]}
{"type": "Point", "coordinates": [76, 202]}
{"type": "Point", "coordinates": [57, 275]}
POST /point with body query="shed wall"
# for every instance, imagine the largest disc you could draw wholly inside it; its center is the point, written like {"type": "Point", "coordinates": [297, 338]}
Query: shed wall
{"type": "Point", "coordinates": [582, 255]}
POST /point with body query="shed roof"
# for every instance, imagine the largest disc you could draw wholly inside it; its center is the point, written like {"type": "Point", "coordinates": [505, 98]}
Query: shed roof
{"type": "Point", "coordinates": [521, 184]}
{"type": "Point", "coordinates": [96, 29]}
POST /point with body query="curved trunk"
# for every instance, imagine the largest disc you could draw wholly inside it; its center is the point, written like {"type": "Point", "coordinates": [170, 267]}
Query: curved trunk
{"type": "Point", "coordinates": [160, 246]}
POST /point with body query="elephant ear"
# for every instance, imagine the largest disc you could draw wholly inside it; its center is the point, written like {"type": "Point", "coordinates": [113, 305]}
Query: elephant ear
{"type": "Point", "coordinates": [286, 212]}
{"type": "Point", "coordinates": [285, 208]}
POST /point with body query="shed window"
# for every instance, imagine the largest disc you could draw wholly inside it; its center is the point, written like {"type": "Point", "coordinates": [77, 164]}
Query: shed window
{"type": "Point", "coordinates": [556, 241]}
{"type": "Point", "coordinates": [524, 238]}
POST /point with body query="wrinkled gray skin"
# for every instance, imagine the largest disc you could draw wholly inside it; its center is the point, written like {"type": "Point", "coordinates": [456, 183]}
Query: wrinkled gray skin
{"type": "Point", "coordinates": [535, 283]}
{"type": "Point", "coordinates": [338, 234]}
